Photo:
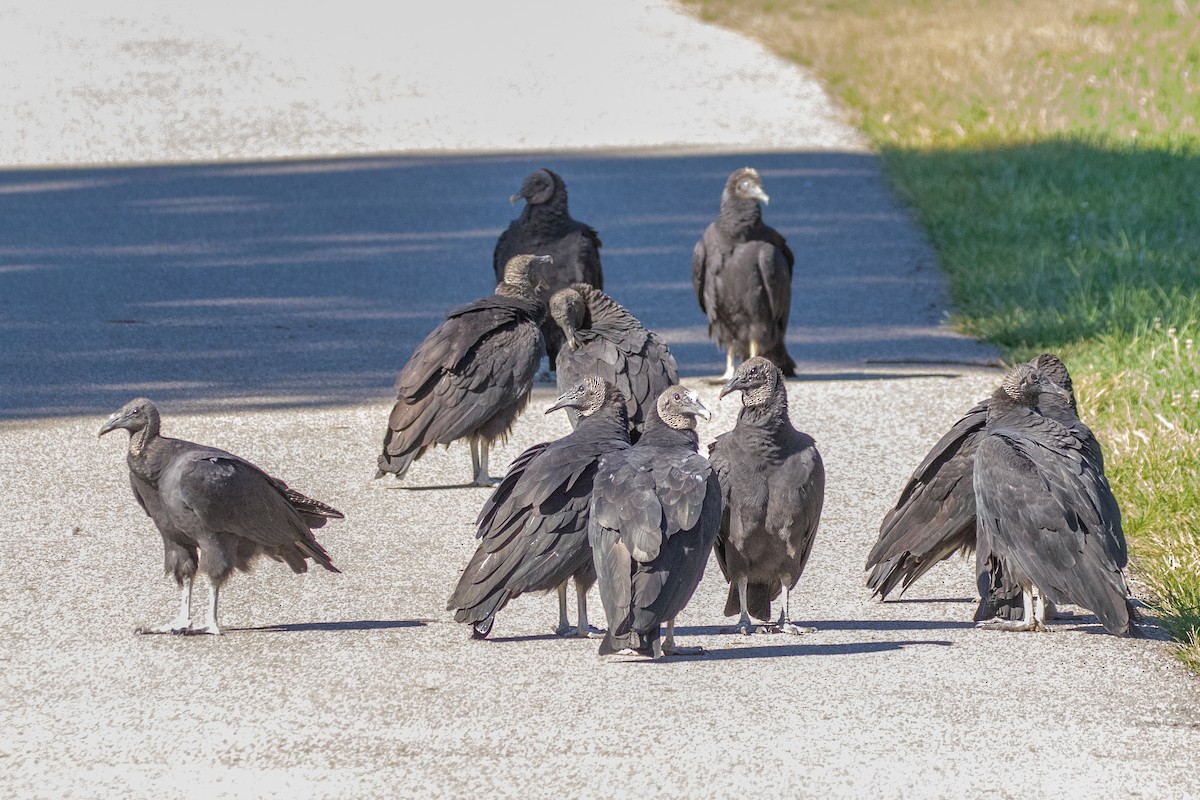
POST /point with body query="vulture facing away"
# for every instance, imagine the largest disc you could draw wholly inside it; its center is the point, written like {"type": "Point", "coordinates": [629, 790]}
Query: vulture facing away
{"type": "Point", "coordinates": [533, 530]}
{"type": "Point", "coordinates": [742, 273]}
{"type": "Point", "coordinates": [656, 510]}
{"type": "Point", "coordinates": [604, 339]}
{"type": "Point", "coordinates": [1046, 512]}
{"type": "Point", "coordinates": [545, 227]}
{"type": "Point", "coordinates": [934, 516]}
{"type": "Point", "coordinates": [471, 377]}
{"type": "Point", "coordinates": [216, 512]}
{"type": "Point", "coordinates": [773, 484]}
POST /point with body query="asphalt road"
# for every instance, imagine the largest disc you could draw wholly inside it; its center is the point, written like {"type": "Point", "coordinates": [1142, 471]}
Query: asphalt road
{"type": "Point", "coordinates": [267, 306]}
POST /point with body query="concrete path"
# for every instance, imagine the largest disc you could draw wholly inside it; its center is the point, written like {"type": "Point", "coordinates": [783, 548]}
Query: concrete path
{"type": "Point", "coordinates": [268, 305]}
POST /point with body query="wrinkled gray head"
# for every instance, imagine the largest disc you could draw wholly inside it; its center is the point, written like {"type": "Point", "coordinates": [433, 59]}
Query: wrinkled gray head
{"type": "Point", "coordinates": [1025, 382]}
{"type": "Point", "coordinates": [569, 310]}
{"type": "Point", "coordinates": [678, 408]}
{"type": "Point", "coordinates": [135, 415]}
{"type": "Point", "coordinates": [745, 184]}
{"type": "Point", "coordinates": [1054, 370]}
{"type": "Point", "coordinates": [588, 397]}
{"type": "Point", "coordinates": [757, 379]}
{"type": "Point", "coordinates": [518, 271]}
{"type": "Point", "coordinates": [539, 187]}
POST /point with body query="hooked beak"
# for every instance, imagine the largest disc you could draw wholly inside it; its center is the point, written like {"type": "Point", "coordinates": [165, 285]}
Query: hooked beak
{"type": "Point", "coordinates": [513, 200]}
{"type": "Point", "coordinates": [110, 424]}
{"type": "Point", "coordinates": [696, 407]}
{"type": "Point", "coordinates": [1050, 387]}
{"type": "Point", "coordinates": [735, 383]}
{"type": "Point", "coordinates": [568, 400]}
{"type": "Point", "coordinates": [759, 194]}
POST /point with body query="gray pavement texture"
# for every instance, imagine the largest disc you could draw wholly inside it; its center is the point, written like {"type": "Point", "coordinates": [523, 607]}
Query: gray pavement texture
{"type": "Point", "coordinates": [267, 306]}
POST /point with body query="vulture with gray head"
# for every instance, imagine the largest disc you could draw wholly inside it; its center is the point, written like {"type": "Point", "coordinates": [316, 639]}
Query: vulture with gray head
{"type": "Point", "coordinates": [471, 377]}
{"type": "Point", "coordinates": [545, 227]}
{"type": "Point", "coordinates": [655, 513]}
{"type": "Point", "coordinates": [934, 517]}
{"type": "Point", "coordinates": [604, 339]}
{"type": "Point", "coordinates": [533, 530]}
{"type": "Point", "coordinates": [216, 512]}
{"type": "Point", "coordinates": [1045, 511]}
{"type": "Point", "coordinates": [742, 274]}
{"type": "Point", "coordinates": [773, 485]}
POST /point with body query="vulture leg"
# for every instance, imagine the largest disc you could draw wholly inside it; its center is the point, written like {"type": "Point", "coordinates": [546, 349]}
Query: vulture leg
{"type": "Point", "coordinates": [1034, 618]}
{"type": "Point", "coordinates": [564, 625]}
{"type": "Point", "coordinates": [668, 647]}
{"type": "Point", "coordinates": [183, 620]}
{"type": "Point", "coordinates": [584, 631]}
{"type": "Point", "coordinates": [744, 625]}
{"type": "Point", "coordinates": [785, 624]}
{"type": "Point", "coordinates": [480, 450]}
{"type": "Point", "coordinates": [753, 349]}
{"type": "Point", "coordinates": [210, 621]}
{"type": "Point", "coordinates": [728, 365]}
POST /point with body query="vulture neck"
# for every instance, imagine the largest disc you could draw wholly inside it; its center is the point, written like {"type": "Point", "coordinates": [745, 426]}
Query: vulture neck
{"type": "Point", "coordinates": [1002, 406]}
{"type": "Point", "coordinates": [520, 291]}
{"type": "Point", "coordinates": [738, 215]}
{"type": "Point", "coordinates": [660, 434]}
{"type": "Point", "coordinates": [602, 310]}
{"type": "Point", "coordinates": [610, 421]}
{"type": "Point", "coordinates": [549, 217]}
{"type": "Point", "coordinates": [140, 443]}
{"type": "Point", "coordinates": [771, 414]}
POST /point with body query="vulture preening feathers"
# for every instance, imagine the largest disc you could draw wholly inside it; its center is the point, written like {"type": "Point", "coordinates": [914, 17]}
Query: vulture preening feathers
{"type": "Point", "coordinates": [533, 530]}
{"type": "Point", "coordinates": [773, 483]}
{"type": "Point", "coordinates": [216, 512]}
{"type": "Point", "coordinates": [471, 376]}
{"type": "Point", "coordinates": [742, 273]}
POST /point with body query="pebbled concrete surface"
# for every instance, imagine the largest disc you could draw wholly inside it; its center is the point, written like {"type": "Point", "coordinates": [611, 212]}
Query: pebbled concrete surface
{"type": "Point", "coordinates": [268, 305]}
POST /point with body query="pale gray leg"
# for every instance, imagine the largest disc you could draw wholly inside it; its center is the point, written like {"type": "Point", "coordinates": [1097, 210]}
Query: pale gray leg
{"type": "Point", "coordinates": [481, 464]}
{"type": "Point", "coordinates": [744, 625]}
{"type": "Point", "coordinates": [183, 620]}
{"type": "Point", "coordinates": [584, 631]}
{"type": "Point", "coordinates": [728, 365]}
{"type": "Point", "coordinates": [785, 624]}
{"type": "Point", "coordinates": [668, 646]}
{"type": "Point", "coordinates": [1030, 621]}
{"type": "Point", "coordinates": [753, 348]}
{"type": "Point", "coordinates": [564, 625]}
{"type": "Point", "coordinates": [210, 621]}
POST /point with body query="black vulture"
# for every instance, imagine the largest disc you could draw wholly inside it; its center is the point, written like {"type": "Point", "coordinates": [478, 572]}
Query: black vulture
{"type": "Point", "coordinates": [471, 377]}
{"type": "Point", "coordinates": [1045, 511]}
{"type": "Point", "coordinates": [656, 510]}
{"type": "Point", "coordinates": [533, 529]}
{"type": "Point", "coordinates": [545, 227]}
{"type": "Point", "coordinates": [742, 273]}
{"type": "Point", "coordinates": [604, 339]}
{"type": "Point", "coordinates": [773, 486]}
{"type": "Point", "coordinates": [934, 516]}
{"type": "Point", "coordinates": [216, 512]}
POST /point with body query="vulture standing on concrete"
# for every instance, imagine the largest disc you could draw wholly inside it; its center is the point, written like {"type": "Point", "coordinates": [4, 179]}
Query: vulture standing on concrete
{"type": "Point", "coordinates": [1045, 510]}
{"type": "Point", "coordinates": [216, 512]}
{"type": "Point", "coordinates": [742, 273]}
{"type": "Point", "coordinates": [545, 227]}
{"type": "Point", "coordinates": [471, 376]}
{"type": "Point", "coordinates": [655, 513]}
{"type": "Point", "coordinates": [604, 339]}
{"type": "Point", "coordinates": [773, 485]}
{"type": "Point", "coordinates": [935, 514]}
{"type": "Point", "coordinates": [533, 530]}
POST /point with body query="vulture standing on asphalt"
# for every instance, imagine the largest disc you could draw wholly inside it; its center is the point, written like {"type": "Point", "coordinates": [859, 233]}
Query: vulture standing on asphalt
{"type": "Point", "coordinates": [604, 339]}
{"type": "Point", "coordinates": [471, 376]}
{"type": "Point", "coordinates": [533, 530]}
{"type": "Point", "coordinates": [773, 485]}
{"type": "Point", "coordinates": [935, 514]}
{"type": "Point", "coordinates": [655, 513]}
{"type": "Point", "coordinates": [1046, 512]}
{"type": "Point", "coordinates": [545, 227]}
{"type": "Point", "coordinates": [216, 512]}
{"type": "Point", "coordinates": [742, 273]}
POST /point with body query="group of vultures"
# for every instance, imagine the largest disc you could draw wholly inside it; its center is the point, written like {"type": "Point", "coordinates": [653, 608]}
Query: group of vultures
{"type": "Point", "coordinates": [626, 500]}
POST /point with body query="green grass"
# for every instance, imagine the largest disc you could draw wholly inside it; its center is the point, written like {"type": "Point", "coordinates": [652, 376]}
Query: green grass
{"type": "Point", "coordinates": [1052, 152]}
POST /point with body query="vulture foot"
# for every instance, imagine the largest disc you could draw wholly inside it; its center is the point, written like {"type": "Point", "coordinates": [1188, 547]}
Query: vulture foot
{"type": "Point", "coordinates": [792, 628]}
{"type": "Point", "coordinates": [1016, 625]}
{"type": "Point", "coordinates": [174, 626]}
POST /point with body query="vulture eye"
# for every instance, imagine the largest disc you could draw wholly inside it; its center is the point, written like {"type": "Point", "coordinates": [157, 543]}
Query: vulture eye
{"type": "Point", "coordinates": [677, 397]}
{"type": "Point", "coordinates": [136, 411]}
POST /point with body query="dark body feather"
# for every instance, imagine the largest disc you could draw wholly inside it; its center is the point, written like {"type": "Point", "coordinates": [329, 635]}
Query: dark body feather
{"type": "Point", "coordinates": [773, 485]}
{"type": "Point", "coordinates": [934, 516]}
{"type": "Point", "coordinates": [604, 339]}
{"type": "Point", "coordinates": [469, 378]}
{"type": "Point", "coordinates": [1045, 510]}
{"type": "Point", "coordinates": [532, 531]}
{"type": "Point", "coordinates": [742, 274]}
{"type": "Point", "coordinates": [216, 512]}
{"type": "Point", "coordinates": [656, 510]}
{"type": "Point", "coordinates": [546, 227]}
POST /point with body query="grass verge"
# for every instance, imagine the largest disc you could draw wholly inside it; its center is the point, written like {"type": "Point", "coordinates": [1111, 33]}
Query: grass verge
{"type": "Point", "coordinates": [1052, 153]}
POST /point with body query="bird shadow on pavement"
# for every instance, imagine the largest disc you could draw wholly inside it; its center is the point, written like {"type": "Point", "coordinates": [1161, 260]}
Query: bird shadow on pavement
{"type": "Point", "coordinates": [349, 625]}
{"type": "Point", "coordinates": [439, 488]}
{"type": "Point", "coordinates": [920, 600]}
{"type": "Point", "coordinates": [837, 625]}
{"type": "Point", "coordinates": [791, 650]}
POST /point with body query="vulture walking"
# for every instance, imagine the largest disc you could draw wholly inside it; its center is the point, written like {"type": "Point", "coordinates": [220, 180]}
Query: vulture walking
{"type": "Point", "coordinates": [533, 530]}
{"type": "Point", "coordinates": [471, 377]}
{"type": "Point", "coordinates": [934, 516]}
{"type": "Point", "coordinates": [742, 273]}
{"type": "Point", "coordinates": [216, 512]}
{"type": "Point", "coordinates": [1045, 511]}
{"type": "Point", "coordinates": [655, 513]}
{"type": "Point", "coordinates": [545, 227]}
{"type": "Point", "coordinates": [773, 487]}
{"type": "Point", "coordinates": [604, 339]}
